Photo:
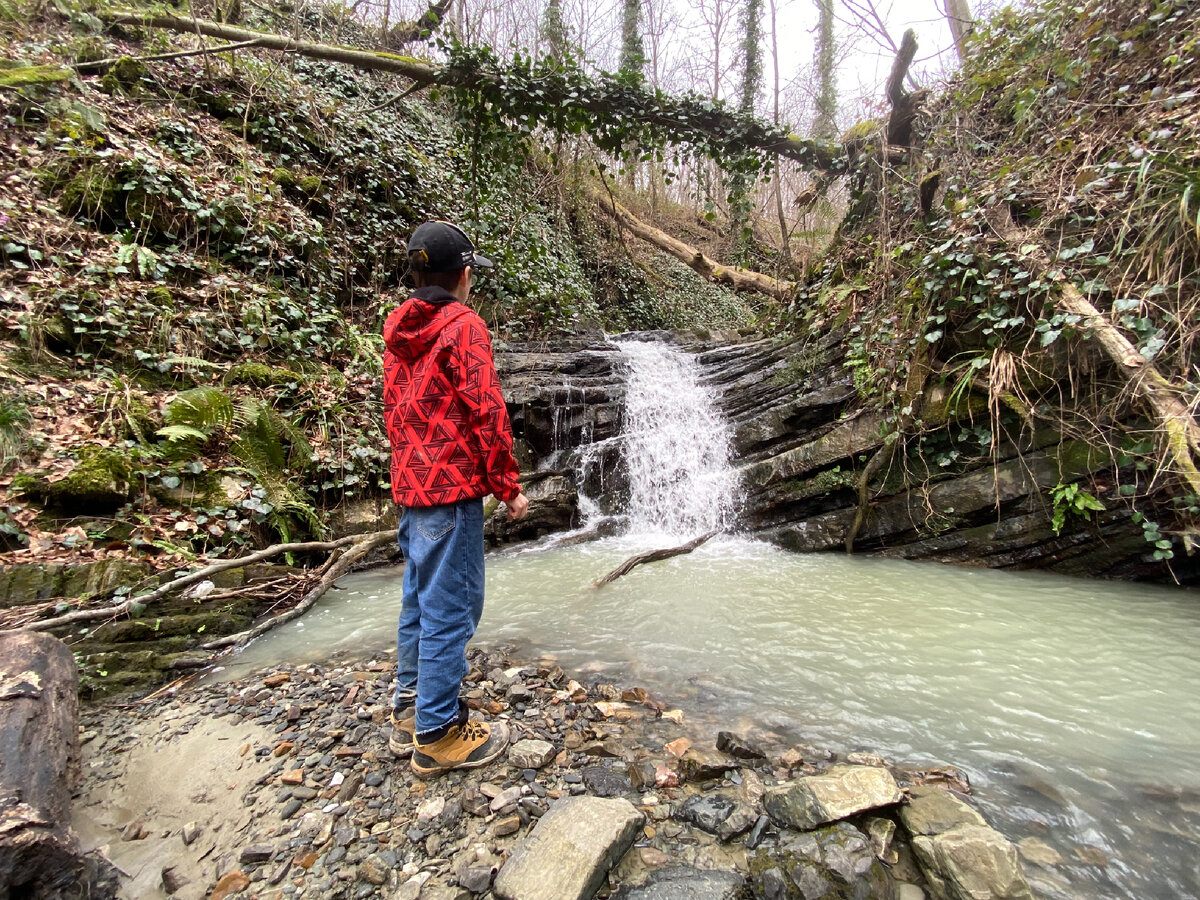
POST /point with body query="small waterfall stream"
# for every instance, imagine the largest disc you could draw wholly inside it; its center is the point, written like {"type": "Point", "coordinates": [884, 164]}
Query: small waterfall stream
{"type": "Point", "coordinates": [1071, 704]}
{"type": "Point", "coordinates": [677, 446]}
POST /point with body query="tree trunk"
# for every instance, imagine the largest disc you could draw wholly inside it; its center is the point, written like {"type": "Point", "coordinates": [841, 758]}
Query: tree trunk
{"type": "Point", "coordinates": [715, 122]}
{"type": "Point", "coordinates": [958, 14]}
{"type": "Point", "coordinates": [39, 757]}
{"type": "Point", "coordinates": [734, 276]}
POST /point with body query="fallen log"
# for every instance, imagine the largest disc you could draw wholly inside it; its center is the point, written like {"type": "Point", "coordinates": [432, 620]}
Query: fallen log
{"type": "Point", "coordinates": [118, 609]}
{"type": "Point", "coordinates": [654, 556]}
{"type": "Point", "coordinates": [714, 123]}
{"type": "Point", "coordinates": [39, 755]}
{"type": "Point", "coordinates": [732, 276]}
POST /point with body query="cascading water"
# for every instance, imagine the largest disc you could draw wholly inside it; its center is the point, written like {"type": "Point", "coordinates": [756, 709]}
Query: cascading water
{"type": "Point", "coordinates": [681, 482]}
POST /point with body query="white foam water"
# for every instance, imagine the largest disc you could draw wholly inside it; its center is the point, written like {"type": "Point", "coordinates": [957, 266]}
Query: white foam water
{"type": "Point", "coordinates": [681, 482]}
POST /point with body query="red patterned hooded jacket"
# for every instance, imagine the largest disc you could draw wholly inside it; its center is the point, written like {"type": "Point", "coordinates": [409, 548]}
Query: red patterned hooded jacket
{"type": "Point", "coordinates": [446, 419]}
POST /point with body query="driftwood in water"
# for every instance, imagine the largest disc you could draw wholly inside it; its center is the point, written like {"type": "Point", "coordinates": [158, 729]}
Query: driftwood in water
{"type": "Point", "coordinates": [653, 556]}
{"type": "Point", "coordinates": [338, 564]}
{"type": "Point", "coordinates": [191, 578]}
{"type": "Point", "coordinates": [39, 750]}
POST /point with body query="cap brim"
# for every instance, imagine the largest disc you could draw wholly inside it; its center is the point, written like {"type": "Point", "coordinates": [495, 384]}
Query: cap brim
{"type": "Point", "coordinates": [482, 261]}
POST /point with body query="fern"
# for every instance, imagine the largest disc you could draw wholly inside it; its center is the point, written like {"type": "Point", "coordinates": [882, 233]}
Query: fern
{"type": "Point", "coordinates": [14, 430]}
{"type": "Point", "coordinates": [205, 408]}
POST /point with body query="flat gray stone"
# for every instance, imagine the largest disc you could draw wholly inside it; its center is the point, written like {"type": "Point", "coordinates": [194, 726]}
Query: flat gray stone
{"type": "Point", "coordinates": [843, 791]}
{"type": "Point", "coordinates": [570, 850]}
{"type": "Point", "coordinates": [685, 884]}
{"type": "Point", "coordinates": [531, 754]}
{"type": "Point", "coordinates": [932, 810]}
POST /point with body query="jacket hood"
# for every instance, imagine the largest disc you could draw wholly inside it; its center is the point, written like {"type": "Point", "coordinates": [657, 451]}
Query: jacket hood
{"type": "Point", "coordinates": [414, 326]}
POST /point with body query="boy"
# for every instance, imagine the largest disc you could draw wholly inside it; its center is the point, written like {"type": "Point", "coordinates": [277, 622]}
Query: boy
{"type": "Point", "coordinates": [451, 446]}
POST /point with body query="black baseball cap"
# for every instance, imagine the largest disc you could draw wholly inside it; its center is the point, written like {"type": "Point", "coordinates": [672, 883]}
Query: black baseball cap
{"type": "Point", "coordinates": [442, 247]}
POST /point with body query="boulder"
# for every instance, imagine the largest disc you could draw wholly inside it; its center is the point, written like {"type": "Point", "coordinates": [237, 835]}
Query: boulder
{"type": "Point", "coordinates": [840, 792]}
{"type": "Point", "coordinates": [833, 863]}
{"type": "Point", "coordinates": [931, 810]}
{"type": "Point", "coordinates": [570, 850]}
{"type": "Point", "coordinates": [971, 862]}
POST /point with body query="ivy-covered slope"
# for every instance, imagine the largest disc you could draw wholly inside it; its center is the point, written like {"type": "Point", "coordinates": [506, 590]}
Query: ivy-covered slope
{"type": "Point", "coordinates": [1048, 210]}
{"type": "Point", "coordinates": [197, 256]}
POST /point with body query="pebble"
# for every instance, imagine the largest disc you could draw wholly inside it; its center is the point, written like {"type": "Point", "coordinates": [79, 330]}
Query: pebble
{"type": "Point", "coordinates": [372, 830]}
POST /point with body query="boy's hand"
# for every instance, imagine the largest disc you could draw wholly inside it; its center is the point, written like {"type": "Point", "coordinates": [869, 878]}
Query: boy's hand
{"type": "Point", "coordinates": [518, 506]}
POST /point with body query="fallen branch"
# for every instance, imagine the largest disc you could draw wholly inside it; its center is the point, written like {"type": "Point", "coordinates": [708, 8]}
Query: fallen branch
{"type": "Point", "coordinates": [734, 276]}
{"type": "Point", "coordinates": [651, 108]}
{"type": "Point", "coordinates": [99, 64]}
{"type": "Point", "coordinates": [1181, 435]}
{"type": "Point", "coordinates": [106, 612]}
{"type": "Point", "coordinates": [654, 556]}
{"type": "Point", "coordinates": [333, 571]}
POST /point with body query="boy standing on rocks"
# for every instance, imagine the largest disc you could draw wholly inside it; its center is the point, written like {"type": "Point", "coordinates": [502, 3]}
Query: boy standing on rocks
{"type": "Point", "coordinates": [451, 446]}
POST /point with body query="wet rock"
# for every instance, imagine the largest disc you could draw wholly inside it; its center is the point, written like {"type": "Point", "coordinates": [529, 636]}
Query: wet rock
{"type": "Point", "coordinates": [738, 746]}
{"type": "Point", "coordinates": [835, 861]}
{"type": "Point", "coordinates": [881, 833]}
{"type": "Point", "coordinates": [972, 861]}
{"type": "Point", "coordinates": [707, 812]}
{"type": "Point", "coordinates": [704, 765]}
{"type": "Point", "coordinates": [531, 754]}
{"type": "Point", "coordinates": [838, 793]}
{"type": "Point", "coordinates": [931, 810]}
{"type": "Point", "coordinates": [570, 850]}
{"type": "Point", "coordinates": [605, 782]}
{"type": "Point", "coordinates": [686, 884]}
{"type": "Point", "coordinates": [1038, 852]}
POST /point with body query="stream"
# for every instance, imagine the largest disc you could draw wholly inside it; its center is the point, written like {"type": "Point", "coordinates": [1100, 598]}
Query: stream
{"type": "Point", "coordinates": [1072, 705]}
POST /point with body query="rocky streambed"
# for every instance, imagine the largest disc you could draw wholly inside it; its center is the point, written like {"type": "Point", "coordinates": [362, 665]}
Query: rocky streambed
{"type": "Point", "coordinates": [281, 786]}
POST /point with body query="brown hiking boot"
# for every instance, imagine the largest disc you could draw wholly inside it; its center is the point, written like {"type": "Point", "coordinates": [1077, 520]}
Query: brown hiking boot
{"type": "Point", "coordinates": [464, 746]}
{"type": "Point", "coordinates": [404, 723]}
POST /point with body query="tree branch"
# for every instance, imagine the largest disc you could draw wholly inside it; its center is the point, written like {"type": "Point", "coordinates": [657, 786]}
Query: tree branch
{"type": "Point", "coordinates": [100, 64]}
{"type": "Point", "coordinates": [731, 131]}
{"type": "Point", "coordinates": [107, 612]}
{"type": "Point", "coordinates": [653, 556]}
{"type": "Point", "coordinates": [734, 276]}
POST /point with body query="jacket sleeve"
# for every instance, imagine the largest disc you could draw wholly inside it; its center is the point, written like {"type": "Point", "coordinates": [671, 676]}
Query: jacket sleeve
{"type": "Point", "coordinates": [479, 388]}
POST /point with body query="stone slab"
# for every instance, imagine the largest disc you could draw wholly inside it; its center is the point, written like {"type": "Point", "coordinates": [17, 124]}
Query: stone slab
{"type": "Point", "coordinates": [931, 810]}
{"type": "Point", "coordinates": [843, 791]}
{"type": "Point", "coordinates": [570, 850]}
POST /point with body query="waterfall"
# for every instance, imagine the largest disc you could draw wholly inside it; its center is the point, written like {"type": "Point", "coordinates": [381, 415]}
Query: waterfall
{"type": "Point", "coordinates": [676, 445]}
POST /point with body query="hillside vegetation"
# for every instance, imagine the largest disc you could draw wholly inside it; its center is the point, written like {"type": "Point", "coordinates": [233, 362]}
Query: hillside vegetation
{"type": "Point", "coordinates": [198, 255]}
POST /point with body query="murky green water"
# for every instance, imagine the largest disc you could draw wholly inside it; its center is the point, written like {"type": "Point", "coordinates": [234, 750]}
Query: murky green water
{"type": "Point", "coordinates": [1073, 705]}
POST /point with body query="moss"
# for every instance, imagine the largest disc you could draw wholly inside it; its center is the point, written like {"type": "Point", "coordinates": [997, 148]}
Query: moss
{"type": "Point", "coordinates": [32, 76]}
{"type": "Point", "coordinates": [201, 625]}
{"type": "Point", "coordinates": [283, 177]}
{"type": "Point", "coordinates": [309, 185]}
{"type": "Point", "coordinates": [100, 480]}
{"type": "Point", "coordinates": [125, 75]}
{"type": "Point", "coordinates": [161, 296]}
{"type": "Point", "coordinates": [92, 193]}
{"type": "Point", "coordinates": [1078, 458]}
{"type": "Point", "coordinates": [261, 375]}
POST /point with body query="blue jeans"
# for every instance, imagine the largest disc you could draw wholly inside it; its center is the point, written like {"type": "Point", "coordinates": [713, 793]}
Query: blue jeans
{"type": "Point", "coordinates": [443, 600]}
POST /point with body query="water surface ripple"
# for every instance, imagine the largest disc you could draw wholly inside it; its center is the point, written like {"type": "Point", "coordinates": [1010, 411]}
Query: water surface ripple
{"type": "Point", "coordinates": [1073, 705]}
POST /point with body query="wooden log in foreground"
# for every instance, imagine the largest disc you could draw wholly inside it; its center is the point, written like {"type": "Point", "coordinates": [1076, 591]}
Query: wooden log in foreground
{"type": "Point", "coordinates": [39, 750]}
{"type": "Point", "coordinates": [653, 556]}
